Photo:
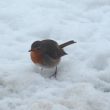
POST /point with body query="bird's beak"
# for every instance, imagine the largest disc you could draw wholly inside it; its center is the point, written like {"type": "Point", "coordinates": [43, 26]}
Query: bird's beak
{"type": "Point", "coordinates": [30, 50]}
{"type": "Point", "coordinates": [74, 42]}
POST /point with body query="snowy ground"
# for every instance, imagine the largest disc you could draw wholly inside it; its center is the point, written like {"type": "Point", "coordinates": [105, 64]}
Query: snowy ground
{"type": "Point", "coordinates": [83, 80]}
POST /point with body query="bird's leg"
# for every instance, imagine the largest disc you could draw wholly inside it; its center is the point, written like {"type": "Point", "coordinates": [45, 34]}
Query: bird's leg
{"type": "Point", "coordinates": [55, 73]}
{"type": "Point", "coordinates": [41, 69]}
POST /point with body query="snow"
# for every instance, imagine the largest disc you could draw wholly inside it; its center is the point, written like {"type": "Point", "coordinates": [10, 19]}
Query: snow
{"type": "Point", "coordinates": [83, 79]}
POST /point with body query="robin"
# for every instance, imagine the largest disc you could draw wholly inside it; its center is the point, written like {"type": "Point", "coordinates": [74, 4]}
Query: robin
{"type": "Point", "coordinates": [48, 53]}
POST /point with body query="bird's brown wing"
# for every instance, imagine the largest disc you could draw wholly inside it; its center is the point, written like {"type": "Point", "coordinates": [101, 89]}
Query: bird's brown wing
{"type": "Point", "coordinates": [52, 49]}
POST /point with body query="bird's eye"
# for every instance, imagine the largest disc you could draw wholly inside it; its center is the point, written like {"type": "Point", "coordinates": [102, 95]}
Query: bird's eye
{"type": "Point", "coordinates": [36, 45]}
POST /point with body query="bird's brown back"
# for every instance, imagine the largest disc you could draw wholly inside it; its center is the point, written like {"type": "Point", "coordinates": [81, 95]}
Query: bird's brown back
{"type": "Point", "coordinates": [52, 49]}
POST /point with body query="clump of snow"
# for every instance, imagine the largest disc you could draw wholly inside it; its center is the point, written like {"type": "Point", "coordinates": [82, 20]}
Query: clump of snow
{"type": "Point", "coordinates": [83, 79]}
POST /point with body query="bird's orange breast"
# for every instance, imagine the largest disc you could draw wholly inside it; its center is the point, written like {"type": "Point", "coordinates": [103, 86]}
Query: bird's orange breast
{"type": "Point", "coordinates": [36, 57]}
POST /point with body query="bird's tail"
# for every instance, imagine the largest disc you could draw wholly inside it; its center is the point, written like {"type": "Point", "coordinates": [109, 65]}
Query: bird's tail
{"type": "Point", "coordinates": [66, 44]}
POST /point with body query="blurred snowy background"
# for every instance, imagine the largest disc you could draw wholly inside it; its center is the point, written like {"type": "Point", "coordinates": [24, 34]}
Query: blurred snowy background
{"type": "Point", "coordinates": [83, 79]}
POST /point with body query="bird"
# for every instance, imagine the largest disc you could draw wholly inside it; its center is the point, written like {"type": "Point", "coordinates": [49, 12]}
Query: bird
{"type": "Point", "coordinates": [47, 53]}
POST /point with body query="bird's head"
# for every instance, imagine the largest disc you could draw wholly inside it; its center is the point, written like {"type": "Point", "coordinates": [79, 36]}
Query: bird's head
{"type": "Point", "coordinates": [36, 46]}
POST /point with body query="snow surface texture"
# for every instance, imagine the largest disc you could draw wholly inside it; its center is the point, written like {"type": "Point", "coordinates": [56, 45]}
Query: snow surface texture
{"type": "Point", "coordinates": [83, 79]}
